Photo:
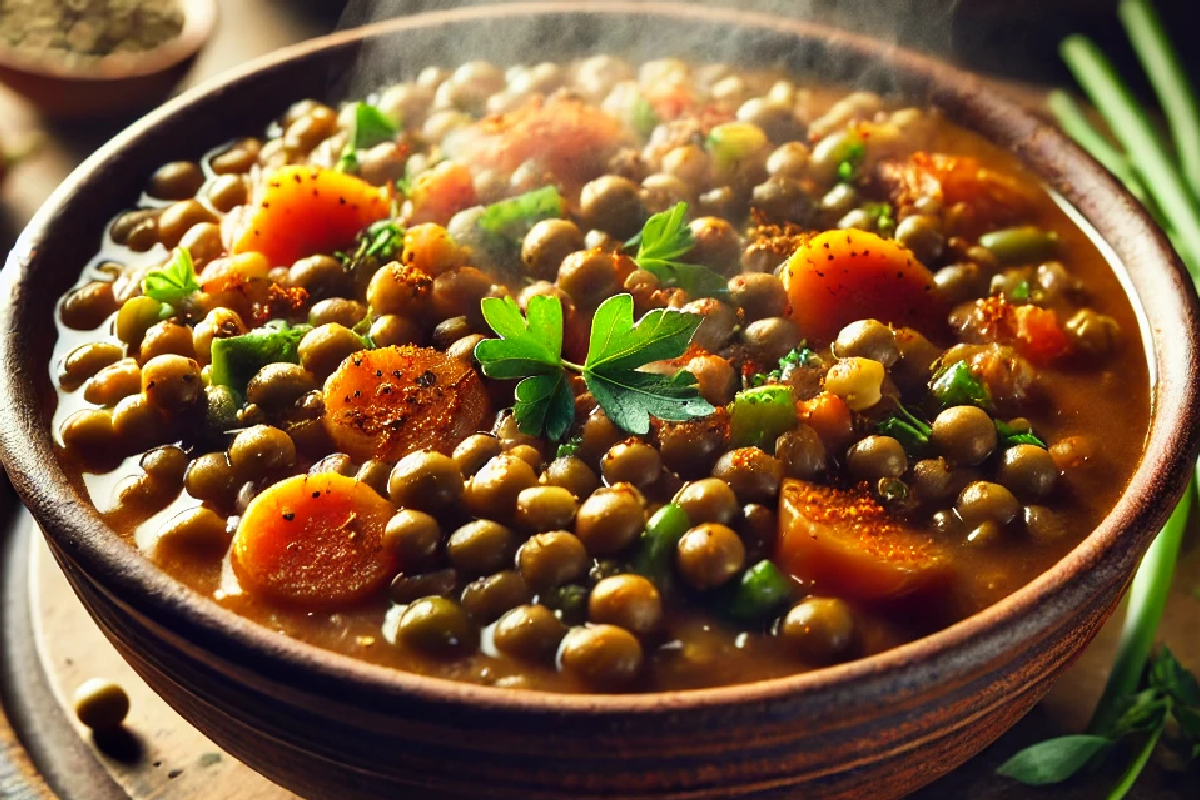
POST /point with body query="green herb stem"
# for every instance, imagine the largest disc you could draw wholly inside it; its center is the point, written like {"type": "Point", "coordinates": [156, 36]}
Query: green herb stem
{"type": "Point", "coordinates": [1137, 765]}
{"type": "Point", "coordinates": [1170, 82]}
{"type": "Point", "coordinates": [1132, 128]}
{"type": "Point", "coordinates": [1072, 120]}
{"type": "Point", "coordinates": [1147, 599]}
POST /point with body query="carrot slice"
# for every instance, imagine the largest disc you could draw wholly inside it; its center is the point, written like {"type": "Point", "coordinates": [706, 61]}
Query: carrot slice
{"type": "Point", "coordinates": [844, 543]}
{"type": "Point", "coordinates": [389, 402]}
{"type": "Point", "coordinates": [314, 541]}
{"type": "Point", "coordinates": [301, 210]}
{"type": "Point", "coordinates": [838, 277]}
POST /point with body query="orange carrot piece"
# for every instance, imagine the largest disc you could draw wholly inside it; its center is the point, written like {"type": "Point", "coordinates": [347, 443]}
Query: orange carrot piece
{"type": "Point", "coordinates": [389, 402]}
{"type": "Point", "coordinates": [301, 210]}
{"type": "Point", "coordinates": [838, 277]}
{"type": "Point", "coordinates": [844, 543]}
{"type": "Point", "coordinates": [314, 542]}
{"type": "Point", "coordinates": [830, 417]}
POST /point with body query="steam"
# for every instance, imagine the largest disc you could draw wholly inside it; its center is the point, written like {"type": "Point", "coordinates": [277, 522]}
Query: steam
{"type": "Point", "coordinates": [920, 24]}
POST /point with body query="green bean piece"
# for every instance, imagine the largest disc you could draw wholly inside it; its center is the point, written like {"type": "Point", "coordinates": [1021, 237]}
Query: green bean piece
{"type": "Point", "coordinates": [656, 547]}
{"type": "Point", "coordinates": [761, 591]}
{"type": "Point", "coordinates": [1025, 245]}
{"type": "Point", "coordinates": [758, 416]}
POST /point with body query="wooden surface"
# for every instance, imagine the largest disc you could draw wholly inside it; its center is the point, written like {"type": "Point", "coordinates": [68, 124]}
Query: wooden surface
{"type": "Point", "coordinates": [48, 645]}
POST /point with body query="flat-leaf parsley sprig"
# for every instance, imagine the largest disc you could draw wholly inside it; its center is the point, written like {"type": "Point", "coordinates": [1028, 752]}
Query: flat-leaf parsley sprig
{"type": "Point", "coordinates": [663, 240]}
{"type": "Point", "coordinates": [530, 348]}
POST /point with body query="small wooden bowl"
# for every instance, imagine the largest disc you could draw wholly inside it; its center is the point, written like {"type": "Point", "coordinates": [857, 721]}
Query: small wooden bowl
{"type": "Point", "coordinates": [115, 84]}
{"type": "Point", "coordinates": [330, 727]}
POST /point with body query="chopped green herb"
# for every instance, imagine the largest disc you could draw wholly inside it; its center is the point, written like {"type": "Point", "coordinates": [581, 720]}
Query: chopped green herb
{"type": "Point", "coordinates": [236, 359]}
{"type": "Point", "coordinates": [882, 215]}
{"type": "Point", "coordinates": [377, 244]}
{"type": "Point", "coordinates": [175, 282]}
{"type": "Point", "coordinates": [569, 447]}
{"type": "Point", "coordinates": [662, 241]}
{"type": "Point", "coordinates": [514, 217]}
{"type": "Point", "coordinates": [369, 127]}
{"type": "Point", "coordinates": [530, 347]}
{"type": "Point", "coordinates": [798, 357]}
{"type": "Point", "coordinates": [1010, 435]}
{"type": "Point", "coordinates": [956, 385]}
{"type": "Point", "coordinates": [848, 169]}
{"type": "Point", "coordinates": [905, 427]}
{"type": "Point", "coordinates": [1020, 291]}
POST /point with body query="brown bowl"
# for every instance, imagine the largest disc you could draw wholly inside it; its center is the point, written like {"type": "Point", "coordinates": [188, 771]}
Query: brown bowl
{"type": "Point", "coordinates": [113, 85]}
{"type": "Point", "coordinates": [328, 726]}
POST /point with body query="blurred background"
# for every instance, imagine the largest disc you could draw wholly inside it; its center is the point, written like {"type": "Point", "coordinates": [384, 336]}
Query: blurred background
{"type": "Point", "coordinates": [1015, 40]}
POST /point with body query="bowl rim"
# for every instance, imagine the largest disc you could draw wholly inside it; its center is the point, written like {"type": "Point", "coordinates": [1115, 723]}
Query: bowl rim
{"type": "Point", "coordinates": [199, 19]}
{"type": "Point", "coordinates": [960, 649]}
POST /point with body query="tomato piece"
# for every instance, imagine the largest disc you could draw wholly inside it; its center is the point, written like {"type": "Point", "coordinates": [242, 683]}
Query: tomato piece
{"type": "Point", "coordinates": [838, 277]}
{"type": "Point", "coordinates": [389, 402]}
{"type": "Point", "coordinates": [315, 542]}
{"type": "Point", "coordinates": [1038, 335]}
{"type": "Point", "coordinates": [842, 542]}
{"type": "Point", "coordinates": [301, 210]}
{"type": "Point", "coordinates": [440, 193]}
{"type": "Point", "coordinates": [567, 137]}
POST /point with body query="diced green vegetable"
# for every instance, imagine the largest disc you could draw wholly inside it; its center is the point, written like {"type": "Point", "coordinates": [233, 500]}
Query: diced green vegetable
{"type": "Point", "coordinates": [175, 282]}
{"type": "Point", "coordinates": [758, 594]}
{"type": "Point", "coordinates": [236, 359]}
{"type": "Point", "coordinates": [730, 142]}
{"type": "Point", "coordinates": [758, 416]}
{"type": "Point", "coordinates": [956, 385]}
{"type": "Point", "coordinates": [570, 602]}
{"type": "Point", "coordinates": [656, 547]}
{"type": "Point", "coordinates": [1020, 291]}
{"type": "Point", "coordinates": [644, 118]}
{"type": "Point", "coordinates": [511, 219]}
{"type": "Point", "coordinates": [1027, 244]}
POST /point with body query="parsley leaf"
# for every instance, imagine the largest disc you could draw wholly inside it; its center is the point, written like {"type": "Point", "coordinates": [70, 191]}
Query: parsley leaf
{"type": "Point", "coordinates": [369, 127]}
{"type": "Point", "coordinates": [617, 342]}
{"type": "Point", "coordinates": [514, 217]}
{"type": "Point", "coordinates": [630, 397]}
{"type": "Point", "coordinates": [956, 385]}
{"type": "Point", "coordinates": [618, 346]}
{"type": "Point", "coordinates": [236, 359]}
{"type": "Point", "coordinates": [662, 241]}
{"type": "Point", "coordinates": [176, 281]}
{"type": "Point", "coordinates": [545, 401]}
{"type": "Point", "coordinates": [530, 347]}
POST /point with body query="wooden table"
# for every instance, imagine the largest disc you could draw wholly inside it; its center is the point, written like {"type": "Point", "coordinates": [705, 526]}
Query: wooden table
{"type": "Point", "coordinates": [48, 645]}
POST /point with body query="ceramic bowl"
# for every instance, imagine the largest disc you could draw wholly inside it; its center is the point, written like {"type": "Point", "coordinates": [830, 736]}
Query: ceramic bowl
{"type": "Point", "coordinates": [116, 84]}
{"type": "Point", "coordinates": [329, 727]}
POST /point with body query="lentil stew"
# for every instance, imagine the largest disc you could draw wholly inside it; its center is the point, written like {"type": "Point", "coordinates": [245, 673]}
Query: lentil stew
{"type": "Point", "coordinates": [878, 378]}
